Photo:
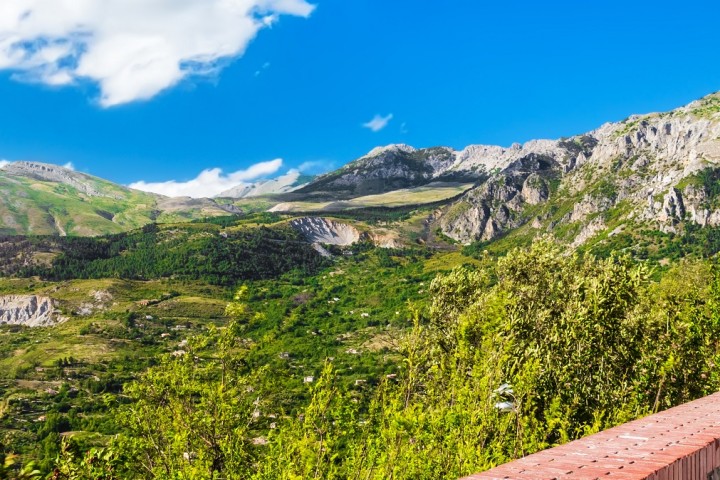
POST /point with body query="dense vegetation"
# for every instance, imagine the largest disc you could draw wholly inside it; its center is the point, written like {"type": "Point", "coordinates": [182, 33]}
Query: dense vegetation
{"type": "Point", "coordinates": [510, 356]}
{"type": "Point", "coordinates": [192, 252]}
{"type": "Point", "coordinates": [352, 311]}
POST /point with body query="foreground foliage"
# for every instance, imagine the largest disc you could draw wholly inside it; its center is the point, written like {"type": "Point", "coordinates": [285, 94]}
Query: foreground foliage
{"type": "Point", "coordinates": [530, 351]}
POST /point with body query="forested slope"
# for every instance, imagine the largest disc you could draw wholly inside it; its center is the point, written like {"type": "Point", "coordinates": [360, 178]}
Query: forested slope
{"type": "Point", "coordinates": [190, 251]}
{"type": "Point", "coordinates": [511, 356]}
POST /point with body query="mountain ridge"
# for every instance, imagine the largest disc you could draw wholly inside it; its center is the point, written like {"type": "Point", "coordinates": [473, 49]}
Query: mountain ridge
{"type": "Point", "coordinates": [652, 171]}
{"type": "Point", "coordinates": [46, 199]}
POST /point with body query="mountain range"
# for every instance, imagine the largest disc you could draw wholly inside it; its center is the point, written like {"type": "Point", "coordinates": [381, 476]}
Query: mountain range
{"type": "Point", "coordinates": [655, 172]}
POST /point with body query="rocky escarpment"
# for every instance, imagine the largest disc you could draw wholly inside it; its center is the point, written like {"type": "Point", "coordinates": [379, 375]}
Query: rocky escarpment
{"type": "Point", "coordinates": [647, 169]}
{"type": "Point", "coordinates": [497, 205]}
{"type": "Point", "coordinates": [319, 230]}
{"type": "Point", "coordinates": [28, 310]}
{"type": "Point", "coordinates": [56, 174]}
{"type": "Point", "coordinates": [656, 170]}
{"type": "Point", "coordinates": [326, 231]}
{"type": "Point", "coordinates": [386, 169]}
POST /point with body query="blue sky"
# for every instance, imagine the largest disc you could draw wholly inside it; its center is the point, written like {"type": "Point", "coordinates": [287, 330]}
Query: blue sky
{"type": "Point", "coordinates": [439, 73]}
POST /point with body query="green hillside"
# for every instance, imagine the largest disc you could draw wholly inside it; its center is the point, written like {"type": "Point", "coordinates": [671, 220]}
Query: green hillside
{"type": "Point", "coordinates": [338, 355]}
{"type": "Point", "coordinates": [85, 206]}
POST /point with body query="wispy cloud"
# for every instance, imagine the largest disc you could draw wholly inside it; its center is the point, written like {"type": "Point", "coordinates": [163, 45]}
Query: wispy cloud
{"type": "Point", "coordinates": [315, 167]}
{"type": "Point", "coordinates": [69, 166]}
{"type": "Point", "coordinates": [132, 49]}
{"type": "Point", "coordinates": [265, 66]}
{"type": "Point", "coordinates": [378, 122]}
{"type": "Point", "coordinates": [209, 182]}
{"type": "Point", "coordinates": [403, 128]}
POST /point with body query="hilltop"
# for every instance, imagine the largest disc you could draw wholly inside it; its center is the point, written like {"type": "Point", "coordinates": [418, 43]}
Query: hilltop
{"type": "Point", "coordinates": [604, 189]}
{"type": "Point", "coordinates": [44, 199]}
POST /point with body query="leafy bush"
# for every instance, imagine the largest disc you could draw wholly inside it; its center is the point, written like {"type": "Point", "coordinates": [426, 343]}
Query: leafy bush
{"type": "Point", "coordinates": [530, 351]}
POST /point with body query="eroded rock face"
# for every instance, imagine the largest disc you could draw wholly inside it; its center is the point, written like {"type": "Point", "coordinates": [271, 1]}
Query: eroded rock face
{"type": "Point", "coordinates": [535, 190]}
{"type": "Point", "coordinates": [322, 230]}
{"type": "Point", "coordinates": [485, 212]}
{"type": "Point", "coordinates": [636, 165]}
{"type": "Point", "coordinates": [28, 310]}
{"type": "Point", "coordinates": [496, 206]}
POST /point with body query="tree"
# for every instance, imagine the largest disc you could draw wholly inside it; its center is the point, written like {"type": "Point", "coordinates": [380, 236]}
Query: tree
{"type": "Point", "coordinates": [191, 416]}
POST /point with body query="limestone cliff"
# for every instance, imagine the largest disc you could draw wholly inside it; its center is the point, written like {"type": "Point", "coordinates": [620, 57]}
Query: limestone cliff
{"type": "Point", "coordinates": [652, 169]}
{"type": "Point", "coordinates": [28, 310]}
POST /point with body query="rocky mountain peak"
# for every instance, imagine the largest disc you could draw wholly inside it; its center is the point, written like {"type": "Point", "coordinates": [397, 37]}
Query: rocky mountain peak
{"type": "Point", "coordinates": [393, 148]}
{"type": "Point", "coordinates": [53, 173]}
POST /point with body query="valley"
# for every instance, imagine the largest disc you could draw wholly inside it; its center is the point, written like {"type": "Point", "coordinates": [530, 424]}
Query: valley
{"type": "Point", "coordinates": [354, 309]}
{"type": "Point", "coordinates": [359, 240]}
{"type": "Point", "coordinates": [349, 309]}
{"type": "Point", "coordinates": [654, 172]}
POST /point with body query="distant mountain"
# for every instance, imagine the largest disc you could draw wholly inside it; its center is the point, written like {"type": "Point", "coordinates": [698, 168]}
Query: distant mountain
{"type": "Point", "coordinates": [394, 167]}
{"type": "Point", "coordinates": [289, 182]}
{"type": "Point", "coordinates": [654, 174]}
{"type": "Point", "coordinates": [386, 169]}
{"type": "Point", "coordinates": [43, 199]}
{"type": "Point", "coordinates": [612, 186]}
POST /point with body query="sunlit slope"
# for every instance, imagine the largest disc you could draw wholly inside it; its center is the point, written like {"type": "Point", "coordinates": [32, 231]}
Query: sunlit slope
{"type": "Point", "coordinates": [40, 199]}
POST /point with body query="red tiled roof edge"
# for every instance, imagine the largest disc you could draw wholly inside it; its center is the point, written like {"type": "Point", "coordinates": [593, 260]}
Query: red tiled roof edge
{"type": "Point", "coordinates": [681, 443]}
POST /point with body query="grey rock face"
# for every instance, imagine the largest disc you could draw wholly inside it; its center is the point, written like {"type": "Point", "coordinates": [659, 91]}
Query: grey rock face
{"type": "Point", "coordinates": [496, 206]}
{"type": "Point", "coordinates": [673, 208]}
{"type": "Point", "coordinates": [28, 310]}
{"type": "Point", "coordinates": [485, 212]}
{"type": "Point", "coordinates": [638, 162]}
{"type": "Point", "coordinates": [322, 230]}
{"type": "Point", "coordinates": [535, 190]}
{"type": "Point", "coordinates": [54, 173]}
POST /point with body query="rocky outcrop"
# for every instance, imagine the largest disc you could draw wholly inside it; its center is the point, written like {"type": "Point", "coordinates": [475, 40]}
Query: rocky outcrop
{"type": "Point", "coordinates": [53, 173]}
{"type": "Point", "coordinates": [485, 212]}
{"type": "Point", "coordinates": [386, 239]}
{"type": "Point", "coordinates": [497, 205]}
{"type": "Point", "coordinates": [534, 190]}
{"type": "Point", "coordinates": [692, 204]}
{"type": "Point", "coordinates": [323, 230]}
{"type": "Point", "coordinates": [637, 163]}
{"type": "Point", "coordinates": [28, 310]}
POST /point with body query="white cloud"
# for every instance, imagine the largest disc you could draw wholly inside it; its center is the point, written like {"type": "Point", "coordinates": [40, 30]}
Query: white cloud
{"type": "Point", "coordinates": [4, 163]}
{"type": "Point", "coordinates": [378, 122]}
{"type": "Point", "coordinates": [210, 182]}
{"type": "Point", "coordinates": [69, 166]}
{"type": "Point", "coordinates": [265, 66]}
{"type": "Point", "coordinates": [133, 49]}
{"type": "Point", "coordinates": [315, 167]}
